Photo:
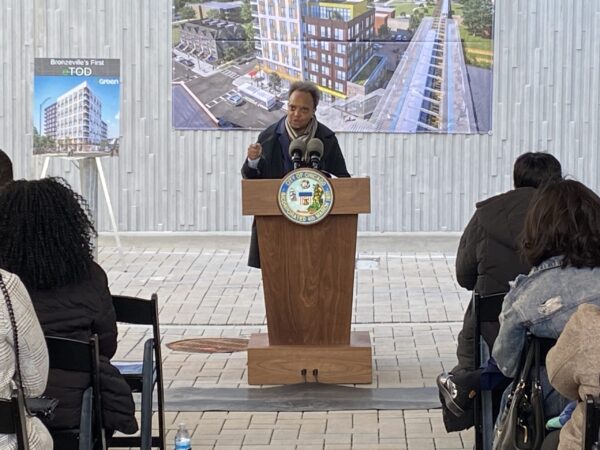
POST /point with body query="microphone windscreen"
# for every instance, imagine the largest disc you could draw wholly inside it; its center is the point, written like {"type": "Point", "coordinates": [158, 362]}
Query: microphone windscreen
{"type": "Point", "coordinates": [314, 146]}
{"type": "Point", "coordinates": [297, 145]}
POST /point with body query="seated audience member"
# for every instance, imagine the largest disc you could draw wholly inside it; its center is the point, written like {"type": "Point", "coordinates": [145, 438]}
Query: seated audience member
{"type": "Point", "coordinates": [17, 311]}
{"type": "Point", "coordinates": [487, 260]}
{"type": "Point", "coordinates": [46, 240]}
{"type": "Point", "coordinates": [6, 169]}
{"type": "Point", "coordinates": [561, 240]}
{"type": "Point", "coordinates": [574, 369]}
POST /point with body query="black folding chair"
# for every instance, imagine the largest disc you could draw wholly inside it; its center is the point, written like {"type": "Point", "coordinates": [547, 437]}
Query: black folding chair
{"type": "Point", "coordinates": [80, 356]}
{"type": "Point", "coordinates": [591, 421]}
{"type": "Point", "coordinates": [12, 418]}
{"type": "Point", "coordinates": [145, 377]}
{"type": "Point", "coordinates": [486, 310]}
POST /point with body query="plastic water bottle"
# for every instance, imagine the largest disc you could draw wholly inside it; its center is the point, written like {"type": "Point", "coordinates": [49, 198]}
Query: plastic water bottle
{"type": "Point", "coordinates": [182, 438]}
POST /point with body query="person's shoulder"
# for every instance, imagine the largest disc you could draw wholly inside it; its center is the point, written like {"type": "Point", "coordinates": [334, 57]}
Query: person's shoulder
{"type": "Point", "coordinates": [270, 130]}
{"type": "Point", "coordinates": [324, 131]}
{"type": "Point", "coordinates": [7, 276]}
{"type": "Point", "coordinates": [11, 280]}
{"type": "Point", "coordinates": [268, 134]}
{"type": "Point", "coordinates": [519, 195]}
{"type": "Point", "coordinates": [97, 275]}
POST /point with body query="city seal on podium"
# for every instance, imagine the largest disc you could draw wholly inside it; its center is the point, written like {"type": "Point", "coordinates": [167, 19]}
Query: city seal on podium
{"type": "Point", "coordinates": [305, 196]}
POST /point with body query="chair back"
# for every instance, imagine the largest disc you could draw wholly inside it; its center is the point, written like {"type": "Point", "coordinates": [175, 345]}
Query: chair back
{"type": "Point", "coordinates": [138, 311]}
{"type": "Point", "coordinates": [591, 421]}
{"type": "Point", "coordinates": [486, 309]}
{"type": "Point", "coordinates": [81, 356]}
{"type": "Point", "coordinates": [13, 418]}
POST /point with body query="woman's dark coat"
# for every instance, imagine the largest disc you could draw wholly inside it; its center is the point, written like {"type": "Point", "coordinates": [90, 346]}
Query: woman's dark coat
{"type": "Point", "coordinates": [76, 311]}
{"type": "Point", "coordinates": [273, 165]}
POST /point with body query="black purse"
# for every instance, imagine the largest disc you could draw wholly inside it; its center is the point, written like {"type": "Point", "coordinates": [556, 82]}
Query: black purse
{"type": "Point", "coordinates": [41, 407]}
{"type": "Point", "coordinates": [521, 426]}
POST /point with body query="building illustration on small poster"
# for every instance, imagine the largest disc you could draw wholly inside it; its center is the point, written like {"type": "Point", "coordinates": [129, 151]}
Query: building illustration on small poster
{"type": "Point", "coordinates": [76, 107]}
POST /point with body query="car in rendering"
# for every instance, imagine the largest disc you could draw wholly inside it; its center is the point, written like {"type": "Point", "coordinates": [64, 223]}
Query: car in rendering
{"type": "Point", "coordinates": [224, 123]}
{"type": "Point", "coordinates": [235, 99]}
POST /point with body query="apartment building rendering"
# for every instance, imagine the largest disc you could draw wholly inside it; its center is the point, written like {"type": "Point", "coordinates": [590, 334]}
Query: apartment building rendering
{"type": "Point", "coordinates": [279, 37]}
{"type": "Point", "coordinates": [338, 35]}
{"type": "Point", "coordinates": [76, 117]}
{"type": "Point", "coordinates": [210, 38]}
{"type": "Point", "coordinates": [326, 42]}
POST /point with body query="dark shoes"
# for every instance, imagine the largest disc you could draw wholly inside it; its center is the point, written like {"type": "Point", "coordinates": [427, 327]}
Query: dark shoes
{"type": "Point", "coordinates": [456, 398]}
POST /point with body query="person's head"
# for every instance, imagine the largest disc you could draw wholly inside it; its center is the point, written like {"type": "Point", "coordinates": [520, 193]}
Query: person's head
{"type": "Point", "coordinates": [533, 169]}
{"type": "Point", "coordinates": [46, 233]}
{"type": "Point", "coordinates": [303, 98]}
{"type": "Point", "coordinates": [6, 169]}
{"type": "Point", "coordinates": [563, 219]}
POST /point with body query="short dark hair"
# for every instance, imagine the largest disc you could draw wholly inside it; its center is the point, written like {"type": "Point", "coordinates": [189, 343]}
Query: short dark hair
{"type": "Point", "coordinates": [308, 87]}
{"type": "Point", "coordinates": [563, 219]}
{"type": "Point", "coordinates": [532, 169]}
{"type": "Point", "coordinates": [6, 169]}
{"type": "Point", "coordinates": [46, 233]}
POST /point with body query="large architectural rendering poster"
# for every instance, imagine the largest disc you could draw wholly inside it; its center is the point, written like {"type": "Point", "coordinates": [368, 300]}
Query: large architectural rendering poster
{"type": "Point", "coordinates": [396, 66]}
{"type": "Point", "coordinates": [76, 106]}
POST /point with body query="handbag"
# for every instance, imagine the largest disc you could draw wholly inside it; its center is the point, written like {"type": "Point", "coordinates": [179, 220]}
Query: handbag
{"type": "Point", "coordinates": [521, 425]}
{"type": "Point", "coordinates": [41, 407]}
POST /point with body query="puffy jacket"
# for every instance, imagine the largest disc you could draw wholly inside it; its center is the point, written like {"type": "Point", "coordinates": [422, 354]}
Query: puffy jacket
{"type": "Point", "coordinates": [77, 311]}
{"type": "Point", "coordinates": [488, 256]}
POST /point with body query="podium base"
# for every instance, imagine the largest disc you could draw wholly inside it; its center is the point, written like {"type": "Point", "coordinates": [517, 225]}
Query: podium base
{"type": "Point", "coordinates": [291, 364]}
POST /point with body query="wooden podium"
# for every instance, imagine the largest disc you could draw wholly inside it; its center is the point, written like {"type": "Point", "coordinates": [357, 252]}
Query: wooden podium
{"type": "Point", "coordinates": [308, 280]}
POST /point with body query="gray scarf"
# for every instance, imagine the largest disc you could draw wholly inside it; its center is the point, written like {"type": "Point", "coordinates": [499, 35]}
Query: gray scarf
{"type": "Point", "coordinates": [306, 135]}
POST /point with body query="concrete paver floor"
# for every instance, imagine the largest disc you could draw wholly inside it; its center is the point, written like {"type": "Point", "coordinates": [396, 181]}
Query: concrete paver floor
{"type": "Point", "coordinates": [408, 300]}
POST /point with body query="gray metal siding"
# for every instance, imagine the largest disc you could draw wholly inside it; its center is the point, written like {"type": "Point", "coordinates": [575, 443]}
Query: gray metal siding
{"type": "Point", "coordinates": [546, 98]}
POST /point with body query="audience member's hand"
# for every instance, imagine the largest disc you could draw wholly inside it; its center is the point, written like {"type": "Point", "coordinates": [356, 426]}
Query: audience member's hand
{"type": "Point", "coordinates": [254, 151]}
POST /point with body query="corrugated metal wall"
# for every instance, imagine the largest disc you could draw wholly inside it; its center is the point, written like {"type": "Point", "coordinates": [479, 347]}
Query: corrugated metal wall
{"type": "Point", "coordinates": [546, 97]}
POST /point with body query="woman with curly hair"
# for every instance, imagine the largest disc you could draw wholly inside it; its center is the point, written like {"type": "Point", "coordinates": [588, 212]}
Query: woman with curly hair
{"type": "Point", "coordinates": [561, 240]}
{"type": "Point", "coordinates": [46, 240]}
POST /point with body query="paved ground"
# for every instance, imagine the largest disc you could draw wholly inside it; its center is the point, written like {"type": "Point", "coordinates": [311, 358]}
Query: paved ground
{"type": "Point", "coordinates": [405, 295]}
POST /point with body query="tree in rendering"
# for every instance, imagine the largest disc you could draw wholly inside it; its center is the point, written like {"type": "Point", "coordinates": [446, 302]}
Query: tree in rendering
{"type": "Point", "coordinates": [415, 21]}
{"type": "Point", "coordinates": [246, 12]}
{"type": "Point", "coordinates": [274, 80]}
{"type": "Point", "coordinates": [246, 17]}
{"type": "Point", "coordinates": [384, 31]}
{"type": "Point", "coordinates": [187, 13]}
{"type": "Point", "coordinates": [213, 14]}
{"type": "Point", "coordinates": [478, 17]}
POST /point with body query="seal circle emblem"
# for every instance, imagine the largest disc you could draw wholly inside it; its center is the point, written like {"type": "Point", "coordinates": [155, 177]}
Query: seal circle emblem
{"type": "Point", "coordinates": [305, 196]}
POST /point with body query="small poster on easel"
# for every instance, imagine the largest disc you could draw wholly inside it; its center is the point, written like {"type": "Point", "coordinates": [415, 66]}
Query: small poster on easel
{"type": "Point", "coordinates": [76, 107]}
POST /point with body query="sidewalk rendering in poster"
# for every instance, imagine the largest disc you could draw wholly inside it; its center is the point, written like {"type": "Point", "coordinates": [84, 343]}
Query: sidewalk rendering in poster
{"type": "Point", "coordinates": [395, 66]}
{"type": "Point", "coordinates": [76, 106]}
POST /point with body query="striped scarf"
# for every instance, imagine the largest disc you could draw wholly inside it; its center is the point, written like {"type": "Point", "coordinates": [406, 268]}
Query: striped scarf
{"type": "Point", "coordinates": [306, 135]}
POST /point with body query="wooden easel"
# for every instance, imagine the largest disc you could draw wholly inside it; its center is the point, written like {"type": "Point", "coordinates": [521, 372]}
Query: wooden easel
{"type": "Point", "coordinates": [89, 183]}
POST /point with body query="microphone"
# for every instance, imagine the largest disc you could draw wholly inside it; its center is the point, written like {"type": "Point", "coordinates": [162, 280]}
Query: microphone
{"type": "Point", "coordinates": [297, 150]}
{"type": "Point", "coordinates": [314, 150]}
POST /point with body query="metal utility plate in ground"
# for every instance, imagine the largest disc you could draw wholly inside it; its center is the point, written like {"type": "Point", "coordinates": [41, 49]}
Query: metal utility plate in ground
{"type": "Point", "coordinates": [300, 397]}
{"type": "Point", "coordinates": [209, 345]}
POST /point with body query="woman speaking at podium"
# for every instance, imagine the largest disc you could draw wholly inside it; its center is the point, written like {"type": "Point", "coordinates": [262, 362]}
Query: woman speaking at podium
{"type": "Point", "coordinates": [270, 157]}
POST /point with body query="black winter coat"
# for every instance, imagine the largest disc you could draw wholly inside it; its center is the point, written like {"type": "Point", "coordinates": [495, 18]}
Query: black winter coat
{"type": "Point", "coordinates": [488, 256]}
{"type": "Point", "coordinates": [77, 311]}
{"type": "Point", "coordinates": [272, 165]}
